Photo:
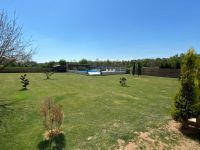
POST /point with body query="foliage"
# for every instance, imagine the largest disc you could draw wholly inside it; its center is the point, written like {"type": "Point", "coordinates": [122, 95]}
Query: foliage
{"type": "Point", "coordinates": [52, 114]}
{"type": "Point", "coordinates": [122, 81]}
{"type": "Point", "coordinates": [198, 71]}
{"type": "Point", "coordinates": [48, 74]}
{"type": "Point", "coordinates": [198, 86]}
{"type": "Point", "coordinates": [83, 61]}
{"type": "Point", "coordinates": [184, 100]}
{"type": "Point", "coordinates": [133, 69]}
{"type": "Point", "coordinates": [12, 45]}
{"type": "Point", "coordinates": [51, 64]}
{"type": "Point", "coordinates": [62, 62]}
{"type": "Point", "coordinates": [170, 63]}
{"type": "Point", "coordinates": [24, 69]}
{"type": "Point", "coordinates": [24, 81]}
{"type": "Point", "coordinates": [139, 69]}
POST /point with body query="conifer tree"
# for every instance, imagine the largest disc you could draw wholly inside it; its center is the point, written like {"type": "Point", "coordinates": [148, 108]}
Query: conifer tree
{"type": "Point", "coordinates": [133, 69]}
{"type": "Point", "coordinates": [185, 99]}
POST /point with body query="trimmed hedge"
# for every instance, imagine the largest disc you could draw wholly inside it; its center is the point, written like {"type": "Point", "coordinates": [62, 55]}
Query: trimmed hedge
{"type": "Point", "coordinates": [24, 70]}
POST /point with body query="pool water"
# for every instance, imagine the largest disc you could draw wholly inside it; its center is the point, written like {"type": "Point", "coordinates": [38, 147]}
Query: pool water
{"type": "Point", "coordinates": [92, 70]}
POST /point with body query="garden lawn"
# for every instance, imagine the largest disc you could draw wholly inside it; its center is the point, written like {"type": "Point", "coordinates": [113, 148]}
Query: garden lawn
{"type": "Point", "coordinates": [98, 111]}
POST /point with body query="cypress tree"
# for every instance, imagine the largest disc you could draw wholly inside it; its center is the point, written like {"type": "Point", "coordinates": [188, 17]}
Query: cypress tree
{"type": "Point", "coordinates": [139, 69]}
{"type": "Point", "coordinates": [133, 69]}
{"type": "Point", "coordinates": [185, 99]}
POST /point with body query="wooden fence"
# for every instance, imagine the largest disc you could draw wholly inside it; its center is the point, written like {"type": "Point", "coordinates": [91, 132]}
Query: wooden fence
{"type": "Point", "coordinates": [154, 71]}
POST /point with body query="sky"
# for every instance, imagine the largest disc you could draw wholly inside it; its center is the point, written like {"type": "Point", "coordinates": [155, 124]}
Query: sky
{"type": "Point", "coordinates": [107, 29]}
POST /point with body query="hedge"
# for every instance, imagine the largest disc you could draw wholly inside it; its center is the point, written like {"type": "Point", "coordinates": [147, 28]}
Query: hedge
{"type": "Point", "coordinates": [24, 69]}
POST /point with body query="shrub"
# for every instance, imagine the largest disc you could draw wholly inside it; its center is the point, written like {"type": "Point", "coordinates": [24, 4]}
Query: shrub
{"type": "Point", "coordinates": [48, 74]}
{"type": "Point", "coordinates": [24, 81]}
{"type": "Point", "coordinates": [24, 69]}
{"type": "Point", "coordinates": [122, 81]}
{"type": "Point", "coordinates": [185, 99]}
{"type": "Point", "coordinates": [52, 116]}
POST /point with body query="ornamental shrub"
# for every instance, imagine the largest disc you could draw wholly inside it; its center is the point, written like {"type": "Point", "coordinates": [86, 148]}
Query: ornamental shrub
{"type": "Point", "coordinates": [24, 81]}
{"type": "Point", "coordinates": [185, 99]}
{"type": "Point", "coordinates": [122, 81]}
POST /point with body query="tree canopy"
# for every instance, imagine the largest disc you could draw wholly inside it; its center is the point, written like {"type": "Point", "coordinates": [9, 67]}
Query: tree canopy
{"type": "Point", "coordinates": [13, 47]}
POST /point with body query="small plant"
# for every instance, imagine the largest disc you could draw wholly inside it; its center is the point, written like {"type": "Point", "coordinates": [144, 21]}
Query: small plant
{"type": "Point", "coordinates": [122, 81]}
{"type": "Point", "coordinates": [24, 81]}
{"type": "Point", "coordinates": [52, 116]}
{"type": "Point", "coordinates": [48, 74]}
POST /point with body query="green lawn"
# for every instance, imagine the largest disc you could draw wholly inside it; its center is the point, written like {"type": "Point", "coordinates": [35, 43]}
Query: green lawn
{"type": "Point", "coordinates": [98, 111]}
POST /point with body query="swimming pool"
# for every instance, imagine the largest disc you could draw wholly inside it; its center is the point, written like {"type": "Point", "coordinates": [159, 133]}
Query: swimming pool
{"type": "Point", "coordinates": [91, 70]}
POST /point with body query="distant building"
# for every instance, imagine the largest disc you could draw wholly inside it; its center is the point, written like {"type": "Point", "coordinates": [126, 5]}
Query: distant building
{"type": "Point", "coordinates": [59, 68]}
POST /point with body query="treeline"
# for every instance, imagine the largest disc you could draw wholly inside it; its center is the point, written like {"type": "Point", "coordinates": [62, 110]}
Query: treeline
{"type": "Point", "coordinates": [171, 62]}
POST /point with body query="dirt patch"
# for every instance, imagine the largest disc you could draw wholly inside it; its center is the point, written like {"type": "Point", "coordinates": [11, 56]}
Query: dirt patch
{"type": "Point", "coordinates": [145, 136]}
{"type": "Point", "coordinates": [169, 136]}
{"type": "Point", "coordinates": [129, 146]}
{"type": "Point", "coordinates": [120, 143]}
{"type": "Point", "coordinates": [173, 126]}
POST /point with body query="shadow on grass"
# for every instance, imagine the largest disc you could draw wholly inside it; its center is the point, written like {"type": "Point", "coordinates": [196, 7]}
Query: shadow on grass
{"type": "Point", "coordinates": [6, 108]}
{"type": "Point", "coordinates": [50, 79]}
{"type": "Point", "coordinates": [6, 105]}
{"type": "Point", "coordinates": [23, 89]}
{"type": "Point", "coordinates": [125, 86]}
{"type": "Point", "coordinates": [191, 132]}
{"type": "Point", "coordinates": [56, 143]}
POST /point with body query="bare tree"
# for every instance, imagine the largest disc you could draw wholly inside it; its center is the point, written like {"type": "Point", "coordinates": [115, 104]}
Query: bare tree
{"type": "Point", "coordinates": [13, 47]}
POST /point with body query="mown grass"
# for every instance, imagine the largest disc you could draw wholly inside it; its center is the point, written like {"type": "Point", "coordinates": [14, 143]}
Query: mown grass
{"type": "Point", "coordinates": [98, 111]}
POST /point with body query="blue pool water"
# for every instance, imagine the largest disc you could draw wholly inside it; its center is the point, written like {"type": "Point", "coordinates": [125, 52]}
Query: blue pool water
{"type": "Point", "coordinates": [92, 70]}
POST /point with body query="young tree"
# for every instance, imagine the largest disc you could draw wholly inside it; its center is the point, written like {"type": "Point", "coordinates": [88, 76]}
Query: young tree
{"type": "Point", "coordinates": [48, 74]}
{"type": "Point", "coordinates": [133, 69]}
{"type": "Point", "coordinates": [24, 81]}
{"type": "Point", "coordinates": [52, 116]}
{"type": "Point", "coordinates": [184, 100]}
{"type": "Point", "coordinates": [139, 68]}
{"type": "Point", "coordinates": [12, 44]}
{"type": "Point", "coordinates": [122, 81]}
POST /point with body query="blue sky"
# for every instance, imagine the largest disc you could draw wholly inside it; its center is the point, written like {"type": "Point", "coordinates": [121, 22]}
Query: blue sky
{"type": "Point", "coordinates": [108, 29]}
